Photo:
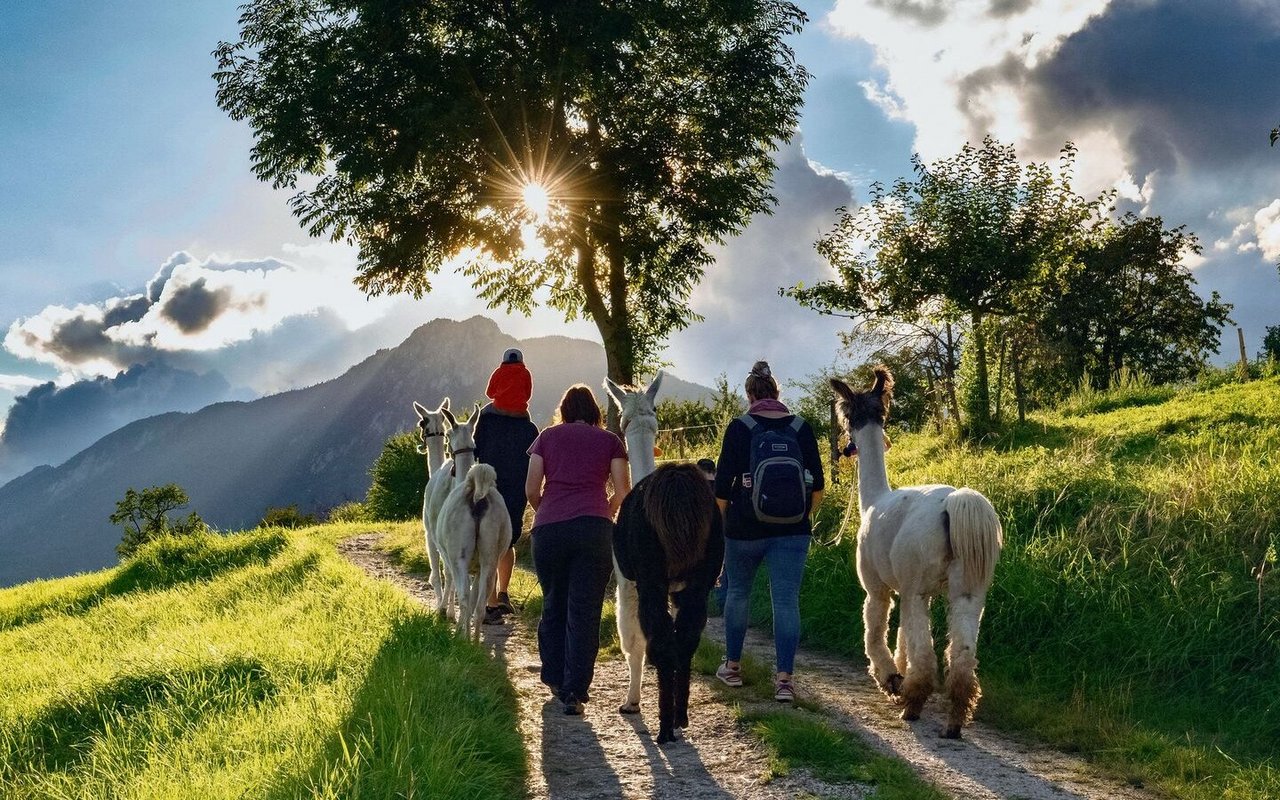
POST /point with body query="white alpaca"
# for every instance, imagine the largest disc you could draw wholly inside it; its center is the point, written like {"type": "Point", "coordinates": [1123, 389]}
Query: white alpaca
{"type": "Point", "coordinates": [919, 541]}
{"type": "Point", "coordinates": [640, 428]}
{"type": "Point", "coordinates": [432, 427]}
{"type": "Point", "coordinates": [474, 527]}
{"type": "Point", "coordinates": [462, 447]}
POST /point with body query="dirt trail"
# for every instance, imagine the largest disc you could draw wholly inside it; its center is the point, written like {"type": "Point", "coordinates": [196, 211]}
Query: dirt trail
{"type": "Point", "coordinates": [606, 754]}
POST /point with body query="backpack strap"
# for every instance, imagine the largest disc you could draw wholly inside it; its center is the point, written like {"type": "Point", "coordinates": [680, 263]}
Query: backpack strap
{"type": "Point", "coordinates": [797, 423]}
{"type": "Point", "coordinates": [746, 419]}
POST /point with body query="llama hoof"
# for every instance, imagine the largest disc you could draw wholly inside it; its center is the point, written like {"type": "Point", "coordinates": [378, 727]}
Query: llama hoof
{"type": "Point", "coordinates": [666, 736]}
{"type": "Point", "coordinates": [950, 732]}
{"type": "Point", "coordinates": [910, 715]}
{"type": "Point", "coordinates": [893, 684]}
{"type": "Point", "coordinates": [629, 708]}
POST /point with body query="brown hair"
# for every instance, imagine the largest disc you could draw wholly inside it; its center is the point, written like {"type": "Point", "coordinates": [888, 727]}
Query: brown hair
{"type": "Point", "coordinates": [579, 405]}
{"type": "Point", "coordinates": [760, 383]}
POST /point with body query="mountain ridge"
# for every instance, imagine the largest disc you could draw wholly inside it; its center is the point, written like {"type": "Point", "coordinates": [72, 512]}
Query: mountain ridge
{"type": "Point", "coordinates": [310, 446]}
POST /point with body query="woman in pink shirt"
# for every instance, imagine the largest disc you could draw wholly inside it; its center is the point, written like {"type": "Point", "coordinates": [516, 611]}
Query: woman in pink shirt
{"type": "Point", "coordinates": [570, 465]}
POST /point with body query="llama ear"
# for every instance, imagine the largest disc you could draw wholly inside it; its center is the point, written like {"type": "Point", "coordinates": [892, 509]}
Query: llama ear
{"type": "Point", "coordinates": [444, 406]}
{"type": "Point", "coordinates": [884, 380]}
{"type": "Point", "coordinates": [842, 389]}
{"type": "Point", "coordinates": [475, 417]}
{"type": "Point", "coordinates": [652, 391]}
{"type": "Point", "coordinates": [616, 393]}
{"type": "Point", "coordinates": [421, 409]}
{"type": "Point", "coordinates": [449, 417]}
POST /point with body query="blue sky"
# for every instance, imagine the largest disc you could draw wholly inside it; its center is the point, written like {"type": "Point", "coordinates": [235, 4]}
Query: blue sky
{"type": "Point", "coordinates": [116, 158]}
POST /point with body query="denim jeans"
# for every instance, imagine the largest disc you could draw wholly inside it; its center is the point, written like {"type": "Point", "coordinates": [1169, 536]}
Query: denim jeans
{"type": "Point", "coordinates": [784, 556]}
{"type": "Point", "coordinates": [573, 560]}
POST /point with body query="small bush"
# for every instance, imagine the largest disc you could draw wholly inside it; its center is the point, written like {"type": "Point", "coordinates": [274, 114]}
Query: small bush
{"type": "Point", "coordinates": [399, 477]}
{"type": "Point", "coordinates": [348, 512]}
{"type": "Point", "coordinates": [286, 517]}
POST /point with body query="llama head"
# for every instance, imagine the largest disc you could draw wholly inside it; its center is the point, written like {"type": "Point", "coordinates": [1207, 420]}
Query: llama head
{"type": "Point", "coordinates": [431, 423]}
{"type": "Point", "coordinates": [462, 435]}
{"type": "Point", "coordinates": [636, 406]}
{"type": "Point", "coordinates": [857, 409]}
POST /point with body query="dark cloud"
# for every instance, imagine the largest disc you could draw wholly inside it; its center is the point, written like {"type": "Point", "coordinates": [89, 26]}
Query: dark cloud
{"type": "Point", "coordinates": [1193, 81]}
{"type": "Point", "coordinates": [49, 424]}
{"type": "Point", "coordinates": [925, 12]}
{"type": "Point", "coordinates": [1007, 8]}
{"type": "Point", "coordinates": [194, 307]}
{"type": "Point", "coordinates": [118, 311]}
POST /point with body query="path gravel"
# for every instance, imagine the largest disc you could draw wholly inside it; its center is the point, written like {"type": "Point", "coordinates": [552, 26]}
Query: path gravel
{"type": "Point", "coordinates": [605, 754]}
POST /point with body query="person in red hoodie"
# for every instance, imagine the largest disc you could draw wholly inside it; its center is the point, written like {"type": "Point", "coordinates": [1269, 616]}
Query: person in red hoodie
{"type": "Point", "coordinates": [503, 435]}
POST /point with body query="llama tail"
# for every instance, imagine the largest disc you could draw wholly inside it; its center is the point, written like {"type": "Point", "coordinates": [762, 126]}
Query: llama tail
{"type": "Point", "coordinates": [975, 536]}
{"type": "Point", "coordinates": [481, 479]}
{"type": "Point", "coordinates": [678, 503]}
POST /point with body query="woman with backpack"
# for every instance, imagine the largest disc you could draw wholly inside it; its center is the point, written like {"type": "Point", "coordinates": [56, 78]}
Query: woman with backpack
{"type": "Point", "coordinates": [768, 480]}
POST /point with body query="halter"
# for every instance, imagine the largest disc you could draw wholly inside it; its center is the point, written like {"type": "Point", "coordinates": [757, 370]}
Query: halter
{"type": "Point", "coordinates": [462, 450]}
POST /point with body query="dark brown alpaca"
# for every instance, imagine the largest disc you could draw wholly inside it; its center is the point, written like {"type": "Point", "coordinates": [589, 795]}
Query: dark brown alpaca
{"type": "Point", "coordinates": [669, 541]}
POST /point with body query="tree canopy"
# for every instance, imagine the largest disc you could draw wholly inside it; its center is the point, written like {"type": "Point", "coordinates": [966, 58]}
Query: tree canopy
{"type": "Point", "coordinates": [623, 137]}
{"type": "Point", "coordinates": [144, 516]}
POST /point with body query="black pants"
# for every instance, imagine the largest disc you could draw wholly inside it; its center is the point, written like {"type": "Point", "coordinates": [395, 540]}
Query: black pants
{"type": "Point", "coordinates": [573, 560]}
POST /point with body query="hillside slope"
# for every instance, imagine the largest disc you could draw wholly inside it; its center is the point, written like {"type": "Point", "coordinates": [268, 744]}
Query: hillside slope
{"type": "Point", "coordinates": [312, 446]}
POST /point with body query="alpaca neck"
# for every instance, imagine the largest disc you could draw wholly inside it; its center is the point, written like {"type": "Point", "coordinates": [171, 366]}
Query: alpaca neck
{"type": "Point", "coordinates": [873, 479]}
{"type": "Point", "coordinates": [435, 454]}
{"type": "Point", "coordinates": [462, 464]}
{"type": "Point", "coordinates": [640, 454]}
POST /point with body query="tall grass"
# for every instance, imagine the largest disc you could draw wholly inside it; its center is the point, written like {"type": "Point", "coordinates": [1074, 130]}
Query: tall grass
{"type": "Point", "coordinates": [254, 665]}
{"type": "Point", "coordinates": [1135, 614]}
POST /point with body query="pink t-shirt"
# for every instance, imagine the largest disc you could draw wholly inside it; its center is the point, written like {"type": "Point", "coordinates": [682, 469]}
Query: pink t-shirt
{"type": "Point", "coordinates": [576, 458]}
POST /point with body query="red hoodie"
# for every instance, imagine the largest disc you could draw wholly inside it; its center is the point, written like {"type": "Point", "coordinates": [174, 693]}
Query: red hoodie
{"type": "Point", "coordinates": [510, 386]}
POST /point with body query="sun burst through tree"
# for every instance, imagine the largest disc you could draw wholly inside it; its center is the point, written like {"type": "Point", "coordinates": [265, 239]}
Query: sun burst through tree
{"type": "Point", "coordinates": [421, 131]}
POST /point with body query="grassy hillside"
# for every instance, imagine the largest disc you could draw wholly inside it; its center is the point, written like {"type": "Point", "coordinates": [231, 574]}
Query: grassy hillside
{"type": "Point", "coordinates": [1136, 614]}
{"type": "Point", "coordinates": [256, 665]}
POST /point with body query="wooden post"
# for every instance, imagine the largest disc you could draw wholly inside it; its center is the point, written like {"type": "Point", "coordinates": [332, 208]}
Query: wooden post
{"type": "Point", "coordinates": [833, 440]}
{"type": "Point", "coordinates": [1244, 356]}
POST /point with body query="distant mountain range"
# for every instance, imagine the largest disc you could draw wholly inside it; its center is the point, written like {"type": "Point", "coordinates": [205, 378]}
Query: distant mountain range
{"type": "Point", "coordinates": [312, 446]}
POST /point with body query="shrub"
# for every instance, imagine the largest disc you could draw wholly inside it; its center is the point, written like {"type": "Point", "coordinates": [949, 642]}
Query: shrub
{"type": "Point", "coordinates": [399, 477]}
{"type": "Point", "coordinates": [145, 517]}
{"type": "Point", "coordinates": [348, 512]}
{"type": "Point", "coordinates": [286, 517]}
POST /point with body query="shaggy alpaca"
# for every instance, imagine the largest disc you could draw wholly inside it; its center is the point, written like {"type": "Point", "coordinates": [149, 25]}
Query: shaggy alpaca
{"type": "Point", "coordinates": [474, 527]}
{"type": "Point", "coordinates": [462, 447]}
{"type": "Point", "coordinates": [432, 427]}
{"type": "Point", "coordinates": [669, 542]}
{"type": "Point", "coordinates": [639, 422]}
{"type": "Point", "coordinates": [919, 542]}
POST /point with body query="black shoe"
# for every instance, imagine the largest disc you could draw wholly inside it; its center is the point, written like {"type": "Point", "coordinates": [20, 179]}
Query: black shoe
{"type": "Point", "coordinates": [492, 615]}
{"type": "Point", "coordinates": [572, 705]}
{"type": "Point", "coordinates": [504, 603]}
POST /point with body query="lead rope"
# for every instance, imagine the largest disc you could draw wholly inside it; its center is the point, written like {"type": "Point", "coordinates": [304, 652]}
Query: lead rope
{"type": "Point", "coordinates": [844, 523]}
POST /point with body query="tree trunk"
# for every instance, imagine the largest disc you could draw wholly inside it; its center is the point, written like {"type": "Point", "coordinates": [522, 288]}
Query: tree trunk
{"type": "Point", "coordinates": [1004, 345]}
{"type": "Point", "coordinates": [952, 368]}
{"type": "Point", "coordinates": [979, 399]}
{"type": "Point", "coordinates": [1019, 391]}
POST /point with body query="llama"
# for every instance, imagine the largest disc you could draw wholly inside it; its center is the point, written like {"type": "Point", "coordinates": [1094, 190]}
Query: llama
{"type": "Point", "coordinates": [473, 526]}
{"type": "Point", "coordinates": [432, 427]}
{"type": "Point", "coordinates": [669, 544]}
{"type": "Point", "coordinates": [462, 447]}
{"type": "Point", "coordinates": [918, 541]}
{"type": "Point", "coordinates": [639, 422]}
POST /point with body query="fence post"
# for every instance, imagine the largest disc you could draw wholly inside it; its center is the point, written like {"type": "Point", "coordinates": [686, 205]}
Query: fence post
{"type": "Point", "coordinates": [1244, 357]}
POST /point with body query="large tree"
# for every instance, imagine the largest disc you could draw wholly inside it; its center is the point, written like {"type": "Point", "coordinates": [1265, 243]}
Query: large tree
{"type": "Point", "coordinates": [625, 136]}
{"type": "Point", "coordinates": [966, 239]}
{"type": "Point", "coordinates": [1128, 300]}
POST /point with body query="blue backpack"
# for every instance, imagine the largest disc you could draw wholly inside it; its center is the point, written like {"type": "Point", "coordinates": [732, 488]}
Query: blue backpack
{"type": "Point", "coordinates": [776, 480]}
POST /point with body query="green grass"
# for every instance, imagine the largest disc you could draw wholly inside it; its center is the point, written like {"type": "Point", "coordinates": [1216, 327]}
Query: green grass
{"type": "Point", "coordinates": [253, 665]}
{"type": "Point", "coordinates": [1135, 615]}
{"type": "Point", "coordinates": [797, 739]}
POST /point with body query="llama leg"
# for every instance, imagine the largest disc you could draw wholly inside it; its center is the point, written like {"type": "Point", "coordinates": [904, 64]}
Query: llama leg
{"type": "Point", "coordinates": [900, 653]}
{"type": "Point", "coordinates": [922, 662]}
{"type": "Point", "coordinates": [691, 619]}
{"type": "Point", "coordinates": [631, 639]}
{"type": "Point", "coordinates": [458, 568]}
{"type": "Point", "coordinates": [964, 613]}
{"type": "Point", "coordinates": [875, 621]}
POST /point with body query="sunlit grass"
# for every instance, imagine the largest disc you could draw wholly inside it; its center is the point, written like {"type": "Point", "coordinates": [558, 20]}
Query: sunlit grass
{"type": "Point", "coordinates": [254, 665]}
{"type": "Point", "coordinates": [1135, 615]}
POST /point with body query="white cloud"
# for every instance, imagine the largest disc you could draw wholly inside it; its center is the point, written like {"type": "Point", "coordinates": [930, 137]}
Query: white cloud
{"type": "Point", "coordinates": [18, 383]}
{"type": "Point", "coordinates": [1258, 232]}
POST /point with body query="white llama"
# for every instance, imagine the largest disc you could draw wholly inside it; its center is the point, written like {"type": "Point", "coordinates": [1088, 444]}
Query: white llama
{"type": "Point", "coordinates": [432, 427]}
{"type": "Point", "coordinates": [639, 421]}
{"type": "Point", "coordinates": [474, 527]}
{"type": "Point", "coordinates": [462, 447]}
{"type": "Point", "coordinates": [918, 541]}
